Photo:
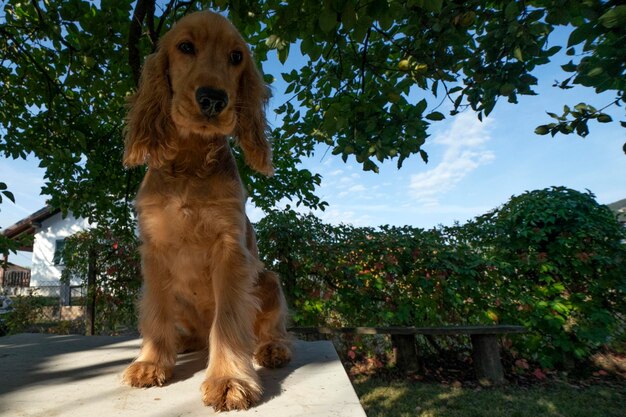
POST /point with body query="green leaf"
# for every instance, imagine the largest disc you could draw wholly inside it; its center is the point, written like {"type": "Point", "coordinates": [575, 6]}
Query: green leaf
{"type": "Point", "coordinates": [434, 87]}
{"type": "Point", "coordinates": [9, 195]}
{"type": "Point", "coordinates": [309, 47]}
{"type": "Point", "coordinates": [273, 42]}
{"type": "Point", "coordinates": [511, 10]}
{"type": "Point", "coordinates": [578, 35]}
{"type": "Point", "coordinates": [554, 50]}
{"type": "Point", "coordinates": [421, 106]}
{"type": "Point", "coordinates": [435, 116]}
{"type": "Point", "coordinates": [615, 17]}
{"type": "Point", "coordinates": [536, 15]}
{"type": "Point", "coordinates": [385, 21]}
{"type": "Point", "coordinates": [595, 72]}
{"type": "Point", "coordinates": [542, 130]}
{"type": "Point", "coordinates": [569, 67]}
{"type": "Point", "coordinates": [348, 16]}
{"type": "Point", "coordinates": [368, 165]}
{"type": "Point", "coordinates": [507, 89]}
{"type": "Point", "coordinates": [328, 20]}
{"type": "Point", "coordinates": [582, 107]}
{"type": "Point", "coordinates": [582, 129]}
{"type": "Point", "coordinates": [283, 54]}
{"type": "Point", "coordinates": [430, 5]}
{"type": "Point", "coordinates": [517, 53]}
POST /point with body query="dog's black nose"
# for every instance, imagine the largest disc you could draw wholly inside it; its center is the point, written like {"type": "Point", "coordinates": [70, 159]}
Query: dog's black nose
{"type": "Point", "coordinates": [211, 101]}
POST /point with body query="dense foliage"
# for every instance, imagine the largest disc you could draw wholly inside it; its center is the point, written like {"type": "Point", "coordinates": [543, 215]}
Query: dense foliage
{"type": "Point", "coordinates": [373, 77]}
{"type": "Point", "coordinates": [564, 257]}
{"type": "Point", "coordinates": [553, 260]}
{"type": "Point", "coordinates": [116, 267]}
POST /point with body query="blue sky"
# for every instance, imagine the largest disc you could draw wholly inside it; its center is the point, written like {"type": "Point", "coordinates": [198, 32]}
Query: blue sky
{"type": "Point", "coordinates": [473, 167]}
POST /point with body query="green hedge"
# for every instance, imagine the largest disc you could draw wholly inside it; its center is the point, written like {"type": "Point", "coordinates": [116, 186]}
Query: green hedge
{"type": "Point", "coordinates": [553, 260]}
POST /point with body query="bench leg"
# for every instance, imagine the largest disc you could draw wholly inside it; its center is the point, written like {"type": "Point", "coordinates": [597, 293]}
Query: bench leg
{"type": "Point", "coordinates": [486, 356]}
{"type": "Point", "coordinates": [406, 354]}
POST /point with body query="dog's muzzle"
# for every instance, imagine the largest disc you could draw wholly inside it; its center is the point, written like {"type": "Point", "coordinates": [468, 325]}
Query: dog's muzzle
{"type": "Point", "coordinates": [211, 101]}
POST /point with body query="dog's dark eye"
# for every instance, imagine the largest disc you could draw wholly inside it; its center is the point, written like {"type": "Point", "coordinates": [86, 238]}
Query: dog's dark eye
{"type": "Point", "coordinates": [236, 57]}
{"type": "Point", "coordinates": [186, 48]}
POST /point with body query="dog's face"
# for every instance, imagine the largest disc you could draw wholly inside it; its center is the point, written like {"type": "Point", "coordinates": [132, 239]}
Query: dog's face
{"type": "Point", "coordinates": [207, 59]}
{"type": "Point", "coordinates": [201, 81]}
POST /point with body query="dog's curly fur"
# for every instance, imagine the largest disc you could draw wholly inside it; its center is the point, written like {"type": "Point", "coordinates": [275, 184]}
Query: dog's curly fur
{"type": "Point", "coordinates": [203, 282]}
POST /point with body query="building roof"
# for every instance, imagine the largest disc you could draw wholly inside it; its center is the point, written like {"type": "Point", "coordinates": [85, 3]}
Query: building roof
{"type": "Point", "coordinates": [29, 225]}
{"type": "Point", "coordinates": [10, 266]}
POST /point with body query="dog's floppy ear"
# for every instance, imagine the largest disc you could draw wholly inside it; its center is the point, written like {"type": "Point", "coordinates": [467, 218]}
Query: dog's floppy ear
{"type": "Point", "coordinates": [149, 127]}
{"type": "Point", "coordinates": [251, 128]}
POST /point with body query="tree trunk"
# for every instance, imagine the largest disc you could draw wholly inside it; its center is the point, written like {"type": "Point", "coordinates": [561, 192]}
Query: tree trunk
{"type": "Point", "coordinates": [90, 316]}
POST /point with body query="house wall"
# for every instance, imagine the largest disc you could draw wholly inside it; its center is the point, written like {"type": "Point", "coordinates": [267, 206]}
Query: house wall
{"type": "Point", "coordinates": [43, 271]}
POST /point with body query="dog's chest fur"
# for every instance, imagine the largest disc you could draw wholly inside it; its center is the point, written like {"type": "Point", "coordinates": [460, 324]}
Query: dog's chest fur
{"type": "Point", "coordinates": [188, 212]}
{"type": "Point", "coordinates": [181, 220]}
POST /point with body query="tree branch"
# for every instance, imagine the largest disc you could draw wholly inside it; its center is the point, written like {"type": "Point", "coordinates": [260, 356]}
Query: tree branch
{"type": "Point", "coordinates": [364, 60]}
{"type": "Point", "coordinates": [175, 5]}
{"type": "Point", "coordinates": [154, 36]}
{"type": "Point", "coordinates": [134, 35]}
{"type": "Point", "coordinates": [40, 14]}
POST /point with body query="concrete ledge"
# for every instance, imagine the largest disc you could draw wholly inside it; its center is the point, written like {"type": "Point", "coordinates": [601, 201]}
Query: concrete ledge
{"type": "Point", "coordinates": [48, 375]}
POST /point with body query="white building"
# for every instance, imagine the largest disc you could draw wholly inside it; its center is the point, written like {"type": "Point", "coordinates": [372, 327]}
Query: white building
{"type": "Point", "coordinates": [49, 230]}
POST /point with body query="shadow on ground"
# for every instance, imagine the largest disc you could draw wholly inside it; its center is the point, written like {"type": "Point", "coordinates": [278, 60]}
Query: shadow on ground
{"type": "Point", "coordinates": [24, 358]}
{"type": "Point", "coordinates": [29, 362]}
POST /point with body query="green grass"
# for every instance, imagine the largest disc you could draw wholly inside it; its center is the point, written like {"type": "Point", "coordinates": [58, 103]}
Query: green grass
{"type": "Point", "coordinates": [381, 398]}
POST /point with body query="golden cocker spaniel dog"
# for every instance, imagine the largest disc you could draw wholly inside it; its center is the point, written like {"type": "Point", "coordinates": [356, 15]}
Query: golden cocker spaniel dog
{"type": "Point", "coordinates": [204, 285]}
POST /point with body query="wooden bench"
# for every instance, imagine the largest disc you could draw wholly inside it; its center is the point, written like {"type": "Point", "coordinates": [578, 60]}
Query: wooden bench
{"type": "Point", "coordinates": [485, 348]}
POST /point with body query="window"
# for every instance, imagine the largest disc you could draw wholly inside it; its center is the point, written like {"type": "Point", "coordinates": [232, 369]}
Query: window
{"type": "Point", "coordinates": [58, 252]}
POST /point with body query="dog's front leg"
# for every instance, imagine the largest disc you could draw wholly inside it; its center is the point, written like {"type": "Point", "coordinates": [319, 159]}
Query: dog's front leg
{"type": "Point", "coordinates": [157, 357]}
{"type": "Point", "coordinates": [231, 382]}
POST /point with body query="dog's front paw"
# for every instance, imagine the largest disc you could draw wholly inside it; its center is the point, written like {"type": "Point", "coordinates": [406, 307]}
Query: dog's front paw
{"type": "Point", "coordinates": [145, 374]}
{"type": "Point", "coordinates": [273, 355]}
{"type": "Point", "coordinates": [226, 394]}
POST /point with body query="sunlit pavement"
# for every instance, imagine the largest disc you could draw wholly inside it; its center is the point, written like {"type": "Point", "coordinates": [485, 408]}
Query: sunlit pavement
{"type": "Point", "coordinates": [49, 375]}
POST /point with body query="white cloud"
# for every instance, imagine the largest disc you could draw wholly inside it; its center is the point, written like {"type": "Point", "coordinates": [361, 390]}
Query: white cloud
{"type": "Point", "coordinates": [346, 216]}
{"type": "Point", "coordinates": [357, 188]}
{"type": "Point", "coordinates": [465, 152]}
